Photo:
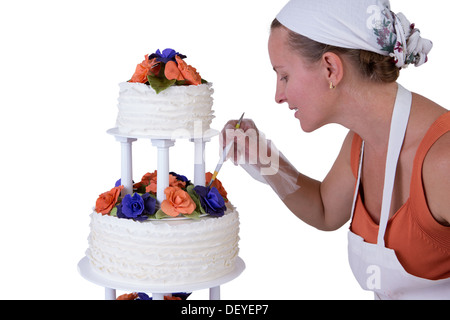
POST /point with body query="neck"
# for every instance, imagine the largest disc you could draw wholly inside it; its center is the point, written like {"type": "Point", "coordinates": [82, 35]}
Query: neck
{"type": "Point", "coordinates": [367, 110]}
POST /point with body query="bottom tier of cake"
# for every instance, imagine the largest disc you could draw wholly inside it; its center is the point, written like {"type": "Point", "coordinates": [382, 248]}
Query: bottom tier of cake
{"type": "Point", "coordinates": [164, 252]}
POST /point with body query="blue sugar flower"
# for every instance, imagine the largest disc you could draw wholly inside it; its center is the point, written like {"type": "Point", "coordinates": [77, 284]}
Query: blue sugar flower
{"type": "Point", "coordinates": [143, 296]}
{"type": "Point", "coordinates": [131, 207]}
{"type": "Point", "coordinates": [136, 207]}
{"type": "Point", "coordinates": [211, 201]}
{"type": "Point", "coordinates": [149, 204]}
{"type": "Point", "coordinates": [166, 56]}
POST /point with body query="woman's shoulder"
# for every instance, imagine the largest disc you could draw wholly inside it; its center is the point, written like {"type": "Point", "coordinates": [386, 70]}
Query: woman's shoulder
{"type": "Point", "coordinates": [434, 149]}
{"type": "Point", "coordinates": [436, 178]}
{"type": "Point", "coordinates": [428, 140]}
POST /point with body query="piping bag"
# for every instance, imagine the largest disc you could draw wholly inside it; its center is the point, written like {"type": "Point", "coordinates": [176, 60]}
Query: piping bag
{"type": "Point", "coordinates": [224, 154]}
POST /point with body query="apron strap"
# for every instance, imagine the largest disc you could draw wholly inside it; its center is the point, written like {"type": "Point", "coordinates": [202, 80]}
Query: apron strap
{"type": "Point", "coordinates": [399, 123]}
{"type": "Point", "coordinates": [358, 180]}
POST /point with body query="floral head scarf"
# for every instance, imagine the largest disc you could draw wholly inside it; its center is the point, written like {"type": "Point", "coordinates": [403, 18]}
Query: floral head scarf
{"type": "Point", "coordinates": [358, 24]}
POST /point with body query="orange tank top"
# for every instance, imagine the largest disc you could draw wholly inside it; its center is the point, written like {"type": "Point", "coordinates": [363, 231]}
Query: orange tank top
{"type": "Point", "coordinates": [422, 245]}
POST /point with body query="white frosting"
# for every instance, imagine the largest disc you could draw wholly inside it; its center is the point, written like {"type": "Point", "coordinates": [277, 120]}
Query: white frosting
{"type": "Point", "coordinates": [176, 111]}
{"type": "Point", "coordinates": [164, 252]}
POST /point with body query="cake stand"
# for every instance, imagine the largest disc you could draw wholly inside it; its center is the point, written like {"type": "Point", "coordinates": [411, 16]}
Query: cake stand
{"type": "Point", "coordinates": [158, 291]}
{"type": "Point", "coordinates": [163, 144]}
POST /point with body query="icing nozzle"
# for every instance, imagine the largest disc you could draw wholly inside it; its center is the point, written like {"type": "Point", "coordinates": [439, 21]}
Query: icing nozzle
{"type": "Point", "coordinates": [224, 154]}
{"type": "Point", "coordinates": [238, 125]}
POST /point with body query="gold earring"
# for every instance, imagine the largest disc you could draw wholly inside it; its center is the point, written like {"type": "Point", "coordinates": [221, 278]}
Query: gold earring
{"type": "Point", "coordinates": [332, 86]}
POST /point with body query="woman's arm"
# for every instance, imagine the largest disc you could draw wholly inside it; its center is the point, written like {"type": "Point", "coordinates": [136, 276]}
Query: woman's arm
{"type": "Point", "coordinates": [324, 205]}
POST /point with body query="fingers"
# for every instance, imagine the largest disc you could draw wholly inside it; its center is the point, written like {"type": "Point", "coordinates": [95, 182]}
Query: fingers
{"type": "Point", "coordinates": [229, 131]}
{"type": "Point", "coordinates": [241, 149]}
{"type": "Point", "coordinates": [247, 124]}
{"type": "Point", "coordinates": [231, 124]}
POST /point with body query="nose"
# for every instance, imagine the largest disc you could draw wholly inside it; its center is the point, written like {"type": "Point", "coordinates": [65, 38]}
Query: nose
{"type": "Point", "coordinates": [280, 97]}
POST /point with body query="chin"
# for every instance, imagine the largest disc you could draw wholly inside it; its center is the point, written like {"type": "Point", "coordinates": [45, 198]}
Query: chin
{"type": "Point", "coordinates": [312, 123]}
{"type": "Point", "coordinates": [307, 127]}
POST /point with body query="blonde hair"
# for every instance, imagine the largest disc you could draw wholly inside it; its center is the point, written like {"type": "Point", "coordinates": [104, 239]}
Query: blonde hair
{"type": "Point", "coordinates": [373, 66]}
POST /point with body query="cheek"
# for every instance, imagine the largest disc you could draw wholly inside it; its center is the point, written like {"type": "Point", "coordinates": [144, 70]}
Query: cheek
{"type": "Point", "coordinates": [299, 93]}
{"type": "Point", "coordinates": [308, 97]}
{"type": "Point", "coordinates": [308, 87]}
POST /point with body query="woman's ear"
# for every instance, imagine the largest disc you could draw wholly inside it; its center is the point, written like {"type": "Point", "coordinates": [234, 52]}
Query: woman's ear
{"type": "Point", "coordinates": [333, 68]}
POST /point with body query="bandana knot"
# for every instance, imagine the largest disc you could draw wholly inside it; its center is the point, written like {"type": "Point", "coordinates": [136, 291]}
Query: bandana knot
{"type": "Point", "coordinates": [410, 48]}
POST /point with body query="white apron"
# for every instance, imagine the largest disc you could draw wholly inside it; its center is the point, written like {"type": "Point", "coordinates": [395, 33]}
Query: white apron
{"type": "Point", "coordinates": [376, 267]}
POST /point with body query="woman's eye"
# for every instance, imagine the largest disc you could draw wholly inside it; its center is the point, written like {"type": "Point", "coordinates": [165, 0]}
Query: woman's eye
{"type": "Point", "coordinates": [284, 78]}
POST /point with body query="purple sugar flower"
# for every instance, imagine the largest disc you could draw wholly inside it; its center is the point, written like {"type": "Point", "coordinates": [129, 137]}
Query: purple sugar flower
{"type": "Point", "coordinates": [143, 296]}
{"type": "Point", "coordinates": [149, 204]}
{"type": "Point", "coordinates": [211, 201]}
{"type": "Point", "coordinates": [166, 56]}
{"type": "Point", "coordinates": [136, 207]}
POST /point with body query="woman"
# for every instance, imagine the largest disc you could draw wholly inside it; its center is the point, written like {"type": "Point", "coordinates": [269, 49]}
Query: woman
{"type": "Point", "coordinates": [337, 64]}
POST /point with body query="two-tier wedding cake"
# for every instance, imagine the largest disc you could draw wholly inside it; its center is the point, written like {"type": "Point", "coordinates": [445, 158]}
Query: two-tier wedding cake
{"type": "Point", "coordinates": [189, 234]}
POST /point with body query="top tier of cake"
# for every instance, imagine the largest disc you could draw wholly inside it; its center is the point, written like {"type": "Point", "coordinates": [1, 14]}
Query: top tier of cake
{"type": "Point", "coordinates": [165, 98]}
{"type": "Point", "coordinates": [175, 112]}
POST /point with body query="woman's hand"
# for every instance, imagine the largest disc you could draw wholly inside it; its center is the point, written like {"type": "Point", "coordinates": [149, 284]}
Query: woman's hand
{"type": "Point", "coordinates": [259, 157]}
{"type": "Point", "coordinates": [246, 140]}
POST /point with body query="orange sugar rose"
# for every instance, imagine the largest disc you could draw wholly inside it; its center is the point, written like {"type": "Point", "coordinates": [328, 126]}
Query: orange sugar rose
{"type": "Point", "coordinates": [148, 177]}
{"type": "Point", "coordinates": [172, 298]}
{"type": "Point", "coordinates": [151, 187]}
{"type": "Point", "coordinates": [189, 73]}
{"type": "Point", "coordinates": [106, 201]}
{"type": "Point", "coordinates": [177, 202]}
{"type": "Point", "coordinates": [173, 182]}
{"type": "Point", "coordinates": [172, 72]}
{"type": "Point", "coordinates": [145, 68]}
{"type": "Point", "coordinates": [128, 296]}
{"type": "Point", "coordinates": [216, 183]}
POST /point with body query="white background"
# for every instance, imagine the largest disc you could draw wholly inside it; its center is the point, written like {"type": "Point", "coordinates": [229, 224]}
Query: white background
{"type": "Point", "coordinates": [60, 65]}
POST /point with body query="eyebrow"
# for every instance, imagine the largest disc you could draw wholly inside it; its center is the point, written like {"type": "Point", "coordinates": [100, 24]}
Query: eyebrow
{"type": "Point", "coordinates": [275, 68]}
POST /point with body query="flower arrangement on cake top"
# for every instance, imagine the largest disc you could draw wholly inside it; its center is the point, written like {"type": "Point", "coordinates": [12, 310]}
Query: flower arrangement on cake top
{"type": "Point", "coordinates": [162, 70]}
{"type": "Point", "coordinates": [182, 199]}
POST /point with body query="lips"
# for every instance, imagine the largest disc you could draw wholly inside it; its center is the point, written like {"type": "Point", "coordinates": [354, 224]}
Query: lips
{"type": "Point", "coordinates": [296, 111]}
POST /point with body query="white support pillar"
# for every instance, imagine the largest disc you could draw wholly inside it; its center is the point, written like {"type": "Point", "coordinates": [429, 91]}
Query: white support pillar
{"type": "Point", "coordinates": [126, 173]}
{"type": "Point", "coordinates": [199, 161]}
{"type": "Point", "coordinates": [163, 146]}
{"type": "Point", "coordinates": [162, 177]}
{"type": "Point", "coordinates": [110, 294]}
{"type": "Point", "coordinates": [158, 296]}
{"type": "Point", "coordinates": [214, 293]}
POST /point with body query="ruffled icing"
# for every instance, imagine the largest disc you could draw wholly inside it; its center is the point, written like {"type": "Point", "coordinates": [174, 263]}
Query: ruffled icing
{"type": "Point", "coordinates": [178, 108]}
{"type": "Point", "coordinates": [170, 252]}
